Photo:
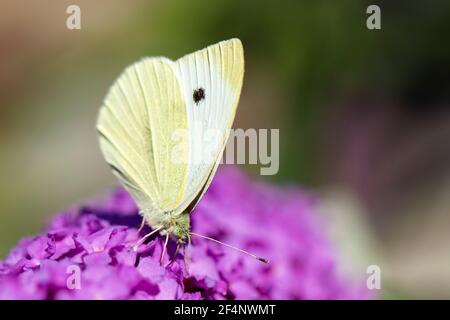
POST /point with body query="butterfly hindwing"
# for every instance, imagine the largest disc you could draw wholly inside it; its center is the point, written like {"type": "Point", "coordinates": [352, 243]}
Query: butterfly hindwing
{"type": "Point", "coordinates": [139, 115]}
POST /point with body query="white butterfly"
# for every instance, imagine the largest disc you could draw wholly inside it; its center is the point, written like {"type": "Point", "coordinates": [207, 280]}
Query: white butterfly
{"type": "Point", "coordinates": [149, 103]}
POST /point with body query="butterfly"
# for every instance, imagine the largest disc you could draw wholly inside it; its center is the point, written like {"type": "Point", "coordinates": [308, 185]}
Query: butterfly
{"type": "Point", "coordinates": [141, 125]}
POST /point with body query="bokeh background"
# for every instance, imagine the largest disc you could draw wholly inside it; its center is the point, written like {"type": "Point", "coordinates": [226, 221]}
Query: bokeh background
{"type": "Point", "coordinates": [363, 114]}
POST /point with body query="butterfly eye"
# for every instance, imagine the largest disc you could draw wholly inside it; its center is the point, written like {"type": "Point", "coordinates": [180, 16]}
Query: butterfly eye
{"type": "Point", "coordinates": [198, 95]}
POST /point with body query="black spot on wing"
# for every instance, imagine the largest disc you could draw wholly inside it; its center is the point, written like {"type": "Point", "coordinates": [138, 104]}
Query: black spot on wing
{"type": "Point", "coordinates": [198, 95]}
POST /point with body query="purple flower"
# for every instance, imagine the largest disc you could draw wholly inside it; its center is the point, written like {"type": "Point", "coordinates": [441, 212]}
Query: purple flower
{"type": "Point", "coordinates": [87, 252]}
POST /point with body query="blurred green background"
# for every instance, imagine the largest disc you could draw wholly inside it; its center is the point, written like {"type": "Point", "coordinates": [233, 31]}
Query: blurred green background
{"type": "Point", "coordinates": [363, 114]}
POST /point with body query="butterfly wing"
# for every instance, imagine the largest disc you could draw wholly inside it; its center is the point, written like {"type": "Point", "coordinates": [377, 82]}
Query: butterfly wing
{"type": "Point", "coordinates": [218, 72]}
{"type": "Point", "coordinates": [142, 110]}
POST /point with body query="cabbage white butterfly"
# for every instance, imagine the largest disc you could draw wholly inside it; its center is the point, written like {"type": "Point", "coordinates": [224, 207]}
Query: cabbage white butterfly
{"type": "Point", "coordinates": [147, 104]}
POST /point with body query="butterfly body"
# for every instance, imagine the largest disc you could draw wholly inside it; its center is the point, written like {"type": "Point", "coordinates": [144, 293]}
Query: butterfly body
{"type": "Point", "coordinates": [175, 225]}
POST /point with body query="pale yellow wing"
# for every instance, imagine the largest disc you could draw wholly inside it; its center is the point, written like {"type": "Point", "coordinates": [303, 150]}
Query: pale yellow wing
{"type": "Point", "coordinates": [141, 111]}
{"type": "Point", "coordinates": [217, 71]}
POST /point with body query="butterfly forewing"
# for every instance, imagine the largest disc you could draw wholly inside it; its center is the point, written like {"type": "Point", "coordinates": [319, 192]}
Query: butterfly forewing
{"type": "Point", "coordinates": [217, 72]}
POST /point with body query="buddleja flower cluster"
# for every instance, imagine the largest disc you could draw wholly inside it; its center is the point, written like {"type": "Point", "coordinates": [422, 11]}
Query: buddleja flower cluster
{"type": "Point", "coordinates": [87, 251]}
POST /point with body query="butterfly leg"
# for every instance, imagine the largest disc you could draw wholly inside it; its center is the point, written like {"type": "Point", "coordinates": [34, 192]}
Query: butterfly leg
{"type": "Point", "coordinates": [142, 226]}
{"type": "Point", "coordinates": [174, 256]}
{"type": "Point", "coordinates": [187, 254]}
{"type": "Point", "coordinates": [164, 248]}
{"type": "Point", "coordinates": [137, 244]}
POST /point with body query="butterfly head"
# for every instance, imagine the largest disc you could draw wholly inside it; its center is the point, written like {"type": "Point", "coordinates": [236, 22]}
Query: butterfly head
{"type": "Point", "coordinates": [179, 227]}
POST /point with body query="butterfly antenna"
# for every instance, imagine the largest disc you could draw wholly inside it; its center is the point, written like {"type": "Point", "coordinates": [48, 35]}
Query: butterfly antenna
{"type": "Point", "coordinates": [230, 246]}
